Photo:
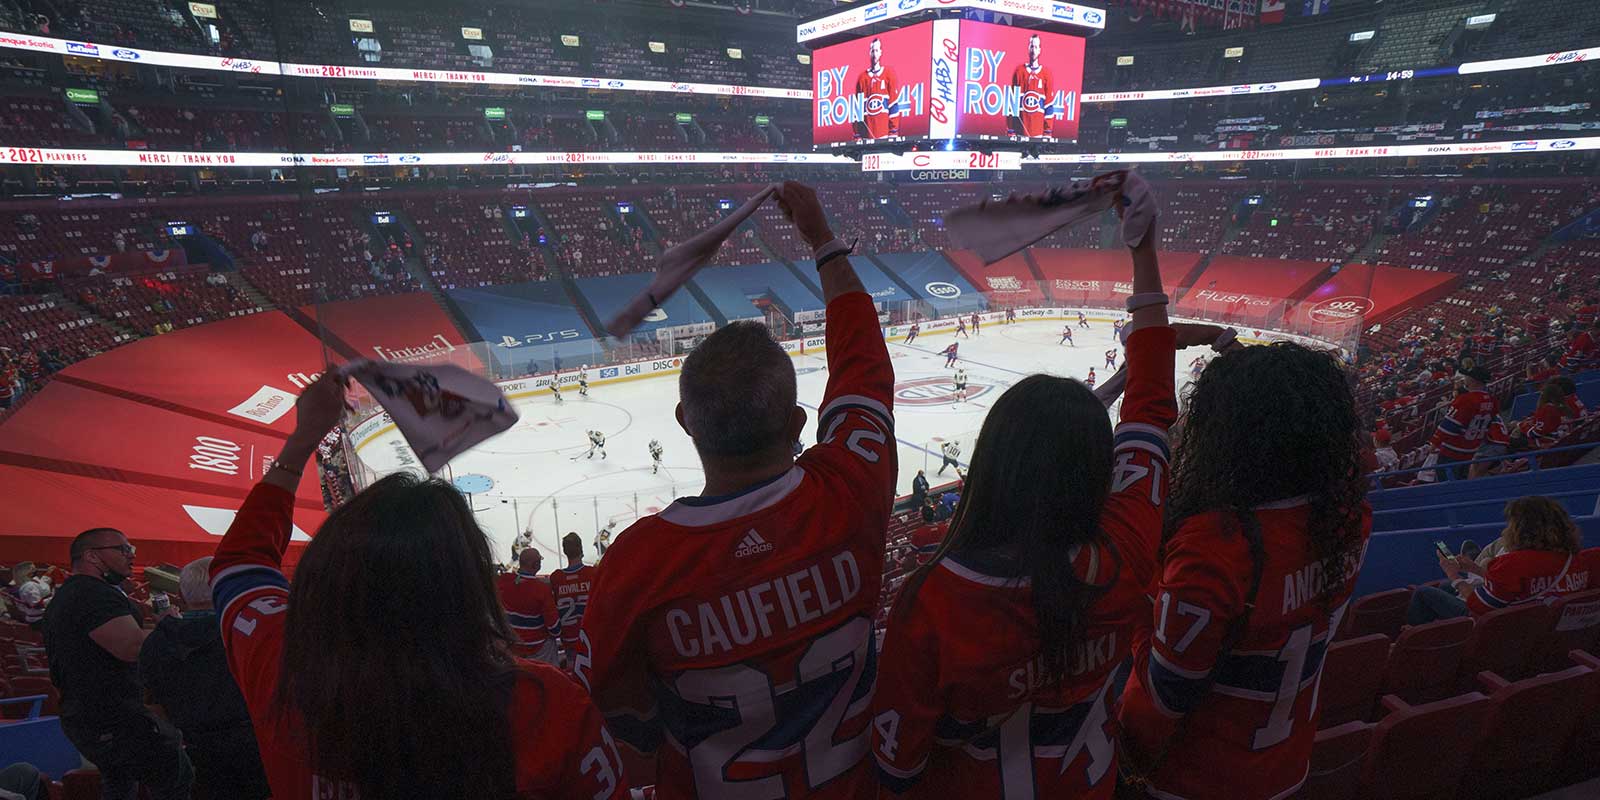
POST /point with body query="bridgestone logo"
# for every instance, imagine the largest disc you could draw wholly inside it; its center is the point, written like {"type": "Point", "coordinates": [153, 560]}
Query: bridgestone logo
{"type": "Point", "coordinates": [752, 544]}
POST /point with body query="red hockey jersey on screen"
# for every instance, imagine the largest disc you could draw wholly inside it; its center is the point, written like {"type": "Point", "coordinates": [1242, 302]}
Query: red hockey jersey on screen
{"type": "Point", "coordinates": [1249, 735]}
{"type": "Point", "coordinates": [1522, 576]}
{"type": "Point", "coordinates": [530, 608]}
{"type": "Point", "coordinates": [1035, 112]}
{"type": "Point", "coordinates": [1473, 418]}
{"type": "Point", "coordinates": [878, 92]}
{"type": "Point", "coordinates": [1546, 426]}
{"type": "Point", "coordinates": [563, 748]}
{"type": "Point", "coordinates": [571, 588]}
{"type": "Point", "coordinates": [740, 628]}
{"type": "Point", "coordinates": [960, 713]}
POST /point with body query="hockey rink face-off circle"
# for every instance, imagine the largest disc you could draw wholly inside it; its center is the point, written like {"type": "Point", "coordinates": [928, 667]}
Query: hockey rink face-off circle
{"type": "Point", "coordinates": [541, 476]}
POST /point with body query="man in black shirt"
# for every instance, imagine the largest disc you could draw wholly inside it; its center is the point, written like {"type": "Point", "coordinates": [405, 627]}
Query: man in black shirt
{"type": "Point", "coordinates": [92, 636]}
{"type": "Point", "coordinates": [186, 670]}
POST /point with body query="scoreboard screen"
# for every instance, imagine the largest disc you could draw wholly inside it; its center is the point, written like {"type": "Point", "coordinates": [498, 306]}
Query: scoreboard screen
{"type": "Point", "coordinates": [875, 87]}
{"type": "Point", "coordinates": [1018, 84]}
{"type": "Point", "coordinates": [948, 79]}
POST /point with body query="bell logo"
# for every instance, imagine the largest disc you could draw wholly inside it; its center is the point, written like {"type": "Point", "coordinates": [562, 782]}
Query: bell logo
{"type": "Point", "coordinates": [943, 290]}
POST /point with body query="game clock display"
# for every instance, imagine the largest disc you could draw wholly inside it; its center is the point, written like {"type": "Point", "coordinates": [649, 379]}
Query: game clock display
{"type": "Point", "coordinates": [948, 79]}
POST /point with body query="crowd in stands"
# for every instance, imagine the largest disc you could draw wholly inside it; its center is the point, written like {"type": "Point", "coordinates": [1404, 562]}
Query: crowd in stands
{"type": "Point", "coordinates": [990, 613]}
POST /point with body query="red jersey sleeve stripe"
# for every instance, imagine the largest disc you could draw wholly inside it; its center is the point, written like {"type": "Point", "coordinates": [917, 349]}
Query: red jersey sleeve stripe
{"type": "Point", "coordinates": [233, 583]}
{"type": "Point", "coordinates": [849, 401]}
{"type": "Point", "coordinates": [899, 780]}
{"type": "Point", "coordinates": [1487, 597]}
{"type": "Point", "coordinates": [1177, 691]}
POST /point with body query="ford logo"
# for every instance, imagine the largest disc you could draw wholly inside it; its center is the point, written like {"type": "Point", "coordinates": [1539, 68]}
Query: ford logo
{"type": "Point", "coordinates": [907, 5]}
{"type": "Point", "coordinates": [943, 290]}
{"type": "Point", "coordinates": [1093, 17]}
{"type": "Point", "coordinates": [124, 53]}
{"type": "Point", "coordinates": [410, 159]}
{"type": "Point", "coordinates": [1564, 144]}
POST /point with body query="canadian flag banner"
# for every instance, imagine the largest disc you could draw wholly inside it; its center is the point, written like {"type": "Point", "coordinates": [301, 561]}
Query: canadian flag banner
{"type": "Point", "coordinates": [1271, 11]}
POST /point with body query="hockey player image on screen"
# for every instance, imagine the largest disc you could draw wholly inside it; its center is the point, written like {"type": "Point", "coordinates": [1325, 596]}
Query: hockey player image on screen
{"type": "Point", "coordinates": [1033, 78]}
{"type": "Point", "coordinates": [878, 88]}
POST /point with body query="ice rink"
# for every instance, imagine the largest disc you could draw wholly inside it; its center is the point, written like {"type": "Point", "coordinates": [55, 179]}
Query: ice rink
{"type": "Point", "coordinates": [539, 475]}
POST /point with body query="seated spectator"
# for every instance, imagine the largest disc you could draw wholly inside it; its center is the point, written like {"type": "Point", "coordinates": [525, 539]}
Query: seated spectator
{"type": "Point", "coordinates": [385, 669]}
{"type": "Point", "coordinates": [1471, 421]}
{"type": "Point", "coordinates": [930, 511]}
{"type": "Point", "coordinates": [1262, 548]}
{"type": "Point", "coordinates": [1539, 556]}
{"type": "Point", "coordinates": [28, 594]}
{"type": "Point", "coordinates": [1546, 425]}
{"type": "Point", "coordinates": [1017, 629]}
{"type": "Point", "coordinates": [186, 673]}
{"type": "Point", "coordinates": [23, 782]}
{"type": "Point", "coordinates": [1569, 398]}
{"type": "Point", "coordinates": [1383, 451]}
{"type": "Point", "coordinates": [92, 637]}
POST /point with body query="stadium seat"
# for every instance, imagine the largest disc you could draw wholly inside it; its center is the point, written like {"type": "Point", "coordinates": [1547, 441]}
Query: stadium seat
{"type": "Point", "coordinates": [29, 685]}
{"type": "Point", "coordinates": [1424, 660]}
{"type": "Point", "coordinates": [1420, 752]}
{"type": "Point", "coordinates": [1578, 762]}
{"type": "Point", "coordinates": [1528, 725]}
{"type": "Point", "coordinates": [1352, 674]}
{"type": "Point", "coordinates": [1336, 761]}
{"type": "Point", "coordinates": [1504, 642]}
{"type": "Point", "coordinates": [1382, 612]}
{"type": "Point", "coordinates": [1575, 625]}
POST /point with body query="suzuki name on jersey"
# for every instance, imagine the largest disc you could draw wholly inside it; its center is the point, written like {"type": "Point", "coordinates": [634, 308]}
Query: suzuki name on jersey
{"type": "Point", "coordinates": [767, 609]}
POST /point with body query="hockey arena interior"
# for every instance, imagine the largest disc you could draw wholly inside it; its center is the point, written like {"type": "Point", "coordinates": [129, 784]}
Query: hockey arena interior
{"type": "Point", "coordinates": [1173, 399]}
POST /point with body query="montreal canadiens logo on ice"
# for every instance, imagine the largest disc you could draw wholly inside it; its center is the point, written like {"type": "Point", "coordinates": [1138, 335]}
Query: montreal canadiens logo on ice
{"type": "Point", "coordinates": [936, 391]}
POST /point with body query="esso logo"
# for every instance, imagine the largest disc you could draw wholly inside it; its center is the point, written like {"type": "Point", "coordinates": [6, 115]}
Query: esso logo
{"type": "Point", "coordinates": [943, 290]}
{"type": "Point", "coordinates": [1341, 309]}
{"type": "Point", "coordinates": [922, 161]}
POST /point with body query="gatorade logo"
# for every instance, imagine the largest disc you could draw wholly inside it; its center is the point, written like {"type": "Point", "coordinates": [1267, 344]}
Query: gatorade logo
{"type": "Point", "coordinates": [943, 290]}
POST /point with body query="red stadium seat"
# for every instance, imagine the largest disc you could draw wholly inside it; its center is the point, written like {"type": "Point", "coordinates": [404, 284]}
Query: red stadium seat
{"type": "Point", "coordinates": [1578, 762]}
{"type": "Point", "coordinates": [1352, 674]}
{"type": "Point", "coordinates": [1424, 660]}
{"type": "Point", "coordinates": [1529, 724]}
{"type": "Point", "coordinates": [1336, 762]}
{"type": "Point", "coordinates": [1575, 625]}
{"type": "Point", "coordinates": [1503, 642]}
{"type": "Point", "coordinates": [22, 686]}
{"type": "Point", "coordinates": [1383, 612]}
{"type": "Point", "coordinates": [1420, 752]}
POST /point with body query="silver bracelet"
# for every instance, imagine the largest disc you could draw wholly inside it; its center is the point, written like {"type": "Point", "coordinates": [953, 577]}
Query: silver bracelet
{"type": "Point", "coordinates": [1145, 299]}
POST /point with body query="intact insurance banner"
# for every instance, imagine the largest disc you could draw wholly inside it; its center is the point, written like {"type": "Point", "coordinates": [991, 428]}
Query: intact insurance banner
{"type": "Point", "coordinates": [875, 87]}
{"type": "Point", "coordinates": [1017, 83]}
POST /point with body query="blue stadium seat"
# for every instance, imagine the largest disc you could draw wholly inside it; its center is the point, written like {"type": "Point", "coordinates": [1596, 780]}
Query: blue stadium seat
{"type": "Point", "coordinates": [37, 739]}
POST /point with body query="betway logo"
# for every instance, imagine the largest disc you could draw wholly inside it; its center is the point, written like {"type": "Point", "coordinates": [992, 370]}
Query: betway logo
{"type": "Point", "coordinates": [752, 544]}
{"type": "Point", "coordinates": [437, 346]}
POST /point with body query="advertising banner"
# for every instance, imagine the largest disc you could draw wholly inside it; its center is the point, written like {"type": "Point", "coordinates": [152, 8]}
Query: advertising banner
{"type": "Point", "coordinates": [875, 87]}
{"type": "Point", "coordinates": [1018, 84]}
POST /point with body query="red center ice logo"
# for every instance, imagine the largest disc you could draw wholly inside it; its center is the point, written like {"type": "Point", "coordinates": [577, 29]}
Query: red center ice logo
{"type": "Point", "coordinates": [939, 391]}
{"type": "Point", "coordinates": [1341, 309]}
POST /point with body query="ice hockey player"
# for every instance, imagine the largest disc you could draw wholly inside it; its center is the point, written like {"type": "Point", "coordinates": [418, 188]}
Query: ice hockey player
{"type": "Point", "coordinates": [655, 456]}
{"type": "Point", "coordinates": [975, 320]}
{"type": "Point", "coordinates": [1011, 315]}
{"type": "Point", "coordinates": [555, 386]}
{"type": "Point", "coordinates": [583, 381]}
{"type": "Point", "coordinates": [911, 335]}
{"type": "Point", "coordinates": [597, 441]}
{"type": "Point", "coordinates": [1111, 358]}
{"type": "Point", "coordinates": [949, 354]}
{"type": "Point", "coordinates": [1091, 379]}
{"type": "Point", "coordinates": [951, 451]}
{"type": "Point", "coordinates": [961, 385]}
{"type": "Point", "coordinates": [1116, 330]}
{"type": "Point", "coordinates": [1083, 321]}
{"type": "Point", "coordinates": [1066, 336]}
{"type": "Point", "coordinates": [961, 326]}
{"type": "Point", "coordinates": [602, 539]}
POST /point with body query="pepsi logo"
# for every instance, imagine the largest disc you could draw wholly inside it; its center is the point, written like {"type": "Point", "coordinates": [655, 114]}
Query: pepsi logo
{"type": "Point", "coordinates": [943, 290]}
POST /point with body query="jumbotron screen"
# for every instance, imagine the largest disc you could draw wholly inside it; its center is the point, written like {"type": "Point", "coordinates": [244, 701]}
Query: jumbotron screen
{"type": "Point", "coordinates": [1018, 83]}
{"type": "Point", "coordinates": [948, 79]}
{"type": "Point", "coordinates": [875, 87]}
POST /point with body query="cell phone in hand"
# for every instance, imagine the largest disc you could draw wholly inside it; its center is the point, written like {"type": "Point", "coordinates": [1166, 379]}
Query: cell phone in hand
{"type": "Point", "coordinates": [1444, 549]}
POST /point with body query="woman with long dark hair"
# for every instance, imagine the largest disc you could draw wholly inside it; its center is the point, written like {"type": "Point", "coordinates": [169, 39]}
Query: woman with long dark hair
{"type": "Point", "coordinates": [1002, 651]}
{"type": "Point", "coordinates": [384, 670]}
{"type": "Point", "coordinates": [1265, 531]}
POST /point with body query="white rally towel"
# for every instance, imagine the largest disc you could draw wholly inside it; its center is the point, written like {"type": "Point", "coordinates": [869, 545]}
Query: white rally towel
{"type": "Point", "coordinates": [441, 409]}
{"type": "Point", "coordinates": [995, 230]}
{"type": "Point", "coordinates": [680, 262]}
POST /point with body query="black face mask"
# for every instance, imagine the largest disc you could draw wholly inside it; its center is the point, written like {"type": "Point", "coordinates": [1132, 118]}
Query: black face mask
{"type": "Point", "coordinates": [113, 577]}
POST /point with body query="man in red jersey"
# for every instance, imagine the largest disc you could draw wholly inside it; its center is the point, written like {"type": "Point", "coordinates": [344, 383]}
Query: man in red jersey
{"type": "Point", "coordinates": [1584, 352]}
{"type": "Point", "coordinates": [531, 608]}
{"type": "Point", "coordinates": [571, 584]}
{"type": "Point", "coordinates": [877, 87]}
{"type": "Point", "coordinates": [1472, 420]}
{"type": "Point", "coordinates": [559, 746]}
{"type": "Point", "coordinates": [1034, 117]}
{"type": "Point", "coordinates": [739, 624]}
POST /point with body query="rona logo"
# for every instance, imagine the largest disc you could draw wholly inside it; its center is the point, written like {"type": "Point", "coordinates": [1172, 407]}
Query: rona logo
{"type": "Point", "coordinates": [943, 290]}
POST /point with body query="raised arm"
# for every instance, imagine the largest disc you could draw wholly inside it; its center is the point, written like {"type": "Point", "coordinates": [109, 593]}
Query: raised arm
{"type": "Point", "coordinates": [799, 204]}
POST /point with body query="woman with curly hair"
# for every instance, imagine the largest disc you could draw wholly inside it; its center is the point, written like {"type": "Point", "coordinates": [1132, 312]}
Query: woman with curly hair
{"type": "Point", "coordinates": [1265, 531]}
{"type": "Point", "coordinates": [1540, 557]}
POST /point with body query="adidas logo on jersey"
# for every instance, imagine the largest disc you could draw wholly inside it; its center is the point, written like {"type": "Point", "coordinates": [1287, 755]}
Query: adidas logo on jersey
{"type": "Point", "coordinates": [751, 544]}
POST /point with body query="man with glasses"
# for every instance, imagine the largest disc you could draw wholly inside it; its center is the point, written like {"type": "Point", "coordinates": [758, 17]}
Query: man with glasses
{"type": "Point", "coordinates": [92, 635]}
